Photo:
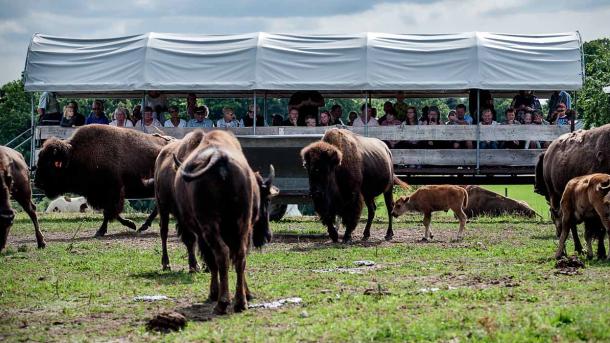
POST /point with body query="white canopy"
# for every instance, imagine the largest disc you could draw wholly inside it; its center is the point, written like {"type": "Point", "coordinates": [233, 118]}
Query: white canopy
{"type": "Point", "coordinates": [607, 90]}
{"type": "Point", "coordinates": [289, 62]}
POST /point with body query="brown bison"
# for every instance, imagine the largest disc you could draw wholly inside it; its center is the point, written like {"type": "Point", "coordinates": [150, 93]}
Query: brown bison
{"type": "Point", "coordinates": [574, 154]}
{"type": "Point", "coordinates": [584, 197]}
{"type": "Point", "coordinates": [434, 198]}
{"type": "Point", "coordinates": [105, 164]}
{"type": "Point", "coordinates": [225, 204]}
{"type": "Point", "coordinates": [485, 202]}
{"type": "Point", "coordinates": [166, 197]}
{"type": "Point", "coordinates": [344, 169]}
{"type": "Point", "coordinates": [15, 183]}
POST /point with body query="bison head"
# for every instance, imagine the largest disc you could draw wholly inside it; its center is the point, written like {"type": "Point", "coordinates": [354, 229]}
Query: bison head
{"type": "Point", "coordinates": [51, 169]}
{"type": "Point", "coordinates": [321, 159]}
{"type": "Point", "coordinates": [401, 206]}
{"type": "Point", "coordinates": [6, 213]}
{"type": "Point", "coordinates": [262, 233]}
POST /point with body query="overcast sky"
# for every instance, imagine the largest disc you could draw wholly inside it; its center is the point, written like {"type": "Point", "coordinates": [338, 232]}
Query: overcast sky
{"type": "Point", "coordinates": [19, 19]}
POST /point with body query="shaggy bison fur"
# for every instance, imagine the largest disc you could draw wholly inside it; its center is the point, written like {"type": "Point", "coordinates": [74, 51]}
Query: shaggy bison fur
{"type": "Point", "coordinates": [105, 164]}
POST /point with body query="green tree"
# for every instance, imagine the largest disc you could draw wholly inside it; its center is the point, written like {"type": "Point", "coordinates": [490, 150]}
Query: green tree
{"type": "Point", "coordinates": [15, 114]}
{"type": "Point", "coordinates": [592, 104]}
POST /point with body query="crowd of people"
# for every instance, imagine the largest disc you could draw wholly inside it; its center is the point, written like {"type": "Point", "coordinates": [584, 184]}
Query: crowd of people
{"type": "Point", "coordinates": [525, 109]}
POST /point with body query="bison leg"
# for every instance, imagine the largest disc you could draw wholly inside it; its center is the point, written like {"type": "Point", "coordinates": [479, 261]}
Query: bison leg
{"type": "Point", "coordinates": [577, 244]}
{"type": "Point", "coordinates": [241, 302]}
{"type": "Point", "coordinates": [149, 220]}
{"type": "Point", "coordinates": [462, 217]}
{"type": "Point", "coordinates": [389, 204]}
{"type": "Point", "coordinates": [371, 207]}
{"type": "Point", "coordinates": [163, 230]}
{"type": "Point", "coordinates": [329, 221]}
{"type": "Point", "coordinates": [102, 230]}
{"type": "Point", "coordinates": [221, 256]}
{"type": "Point", "coordinates": [210, 261]}
{"type": "Point", "coordinates": [30, 209]}
{"type": "Point", "coordinates": [351, 217]}
{"type": "Point", "coordinates": [565, 230]}
{"type": "Point", "coordinates": [126, 222]}
{"type": "Point", "coordinates": [427, 220]}
{"type": "Point", "coordinates": [189, 240]}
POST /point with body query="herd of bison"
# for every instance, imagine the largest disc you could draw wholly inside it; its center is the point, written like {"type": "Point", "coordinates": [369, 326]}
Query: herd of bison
{"type": "Point", "coordinates": [221, 206]}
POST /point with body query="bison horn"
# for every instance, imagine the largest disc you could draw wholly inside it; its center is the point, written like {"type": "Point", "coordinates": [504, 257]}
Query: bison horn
{"type": "Point", "coordinates": [177, 161]}
{"type": "Point", "coordinates": [271, 176]}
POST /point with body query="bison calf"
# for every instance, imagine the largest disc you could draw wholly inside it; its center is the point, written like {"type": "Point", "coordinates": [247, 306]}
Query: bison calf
{"type": "Point", "coordinates": [430, 199]}
{"type": "Point", "coordinates": [585, 197]}
{"type": "Point", "coordinates": [15, 183]}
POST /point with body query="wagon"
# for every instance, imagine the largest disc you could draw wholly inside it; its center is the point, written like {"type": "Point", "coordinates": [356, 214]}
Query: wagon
{"type": "Point", "coordinates": [262, 65]}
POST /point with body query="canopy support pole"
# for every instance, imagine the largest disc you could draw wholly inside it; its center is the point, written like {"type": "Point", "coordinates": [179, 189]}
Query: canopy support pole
{"type": "Point", "coordinates": [478, 130]}
{"type": "Point", "coordinates": [254, 108]}
{"type": "Point", "coordinates": [366, 114]}
{"type": "Point", "coordinates": [573, 121]}
{"type": "Point", "coordinates": [264, 111]}
{"type": "Point", "coordinates": [33, 131]}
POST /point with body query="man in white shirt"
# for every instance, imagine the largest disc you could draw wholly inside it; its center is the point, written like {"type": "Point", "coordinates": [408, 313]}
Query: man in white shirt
{"type": "Point", "coordinates": [365, 118]}
{"type": "Point", "coordinates": [158, 102]}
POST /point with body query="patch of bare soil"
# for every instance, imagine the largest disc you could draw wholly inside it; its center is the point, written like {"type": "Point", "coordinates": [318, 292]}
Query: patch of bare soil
{"type": "Point", "coordinates": [454, 281]}
{"type": "Point", "coordinates": [122, 236]}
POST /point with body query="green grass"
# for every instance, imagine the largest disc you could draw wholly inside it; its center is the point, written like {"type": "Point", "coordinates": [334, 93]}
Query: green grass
{"type": "Point", "coordinates": [498, 284]}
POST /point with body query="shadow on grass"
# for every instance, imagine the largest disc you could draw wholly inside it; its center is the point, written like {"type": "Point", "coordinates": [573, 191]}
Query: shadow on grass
{"type": "Point", "coordinates": [330, 245]}
{"type": "Point", "coordinates": [199, 312]}
{"type": "Point", "coordinates": [167, 277]}
{"type": "Point", "coordinates": [119, 236]}
{"type": "Point", "coordinates": [544, 236]}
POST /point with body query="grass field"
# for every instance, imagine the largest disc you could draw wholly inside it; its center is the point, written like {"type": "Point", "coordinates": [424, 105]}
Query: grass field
{"type": "Point", "coordinates": [498, 284]}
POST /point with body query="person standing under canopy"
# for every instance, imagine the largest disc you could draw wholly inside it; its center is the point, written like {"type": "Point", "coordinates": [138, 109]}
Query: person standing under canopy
{"type": "Point", "coordinates": [48, 109]}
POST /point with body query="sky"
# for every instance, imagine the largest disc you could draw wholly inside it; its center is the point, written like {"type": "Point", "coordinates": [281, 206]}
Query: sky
{"type": "Point", "coordinates": [20, 19]}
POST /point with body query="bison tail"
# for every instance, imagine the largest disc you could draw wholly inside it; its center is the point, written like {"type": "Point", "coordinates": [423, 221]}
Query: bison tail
{"type": "Point", "coordinates": [539, 184]}
{"type": "Point", "coordinates": [201, 164]}
{"type": "Point", "coordinates": [400, 183]}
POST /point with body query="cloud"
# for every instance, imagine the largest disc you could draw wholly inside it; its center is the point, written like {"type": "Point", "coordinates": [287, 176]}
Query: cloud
{"type": "Point", "coordinates": [20, 19]}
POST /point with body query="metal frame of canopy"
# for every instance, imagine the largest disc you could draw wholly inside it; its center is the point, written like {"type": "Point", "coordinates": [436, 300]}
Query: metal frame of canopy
{"type": "Point", "coordinates": [365, 94]}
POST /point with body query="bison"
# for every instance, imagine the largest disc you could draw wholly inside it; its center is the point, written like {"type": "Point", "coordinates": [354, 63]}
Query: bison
{"type": "Point", "coordinates": [434, 198]}
{"type": "Point", "coordinates": [585, 197]}
{"type": "Point", "coordinates": [15, 183]}
{"type": "Point", "coordinates": [225, 204]}
{"type": "Point", "coordinates": [578, 153]}
{"type": "Point", "coordinates": [344, 169]}
{"type": "Point", "coordinates": [105, 164]}
{"type": "Point", "coordinates": [485, 202]}
{"type": "Point", "coordinates": [166, 197]}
